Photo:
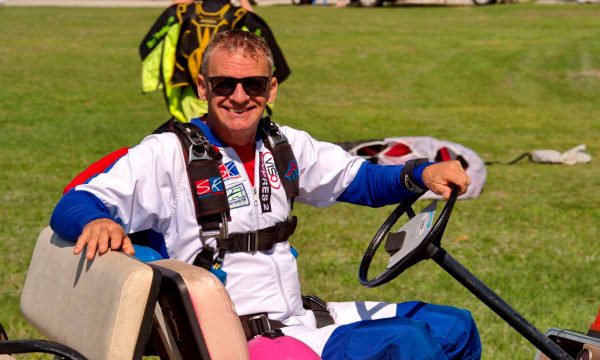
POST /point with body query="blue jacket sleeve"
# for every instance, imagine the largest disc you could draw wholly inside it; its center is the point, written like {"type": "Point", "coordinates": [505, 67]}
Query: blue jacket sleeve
{"type": "Point", "coordinates": [380, 185]}
{"type": "Point", "coordinates": [75, 210]}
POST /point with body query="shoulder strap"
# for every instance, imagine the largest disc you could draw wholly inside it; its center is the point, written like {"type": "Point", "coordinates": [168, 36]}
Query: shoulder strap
{"type": "Point", "coordinates": [285, 161]}
{"type": "Point", "coordinates": [208, 190]}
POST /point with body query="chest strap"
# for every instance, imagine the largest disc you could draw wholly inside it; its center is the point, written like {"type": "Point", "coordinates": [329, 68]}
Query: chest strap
{"type": "Point", "coordinates": [260, 240]}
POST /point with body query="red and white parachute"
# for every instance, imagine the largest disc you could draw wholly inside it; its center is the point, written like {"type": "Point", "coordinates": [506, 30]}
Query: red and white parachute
{"type": "Point", "coordinates": [398, 150]}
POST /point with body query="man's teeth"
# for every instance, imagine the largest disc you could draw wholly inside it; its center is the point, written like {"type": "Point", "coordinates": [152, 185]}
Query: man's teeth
{"type": "Point", "coordinates": [237, 111]}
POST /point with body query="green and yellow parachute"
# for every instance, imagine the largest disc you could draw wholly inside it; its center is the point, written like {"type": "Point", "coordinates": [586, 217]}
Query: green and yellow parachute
{"type": "Point", "coordinates": [172, 50]}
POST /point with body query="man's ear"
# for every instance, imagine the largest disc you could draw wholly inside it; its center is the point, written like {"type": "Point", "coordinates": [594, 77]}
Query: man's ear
{"type": "Point", "coordinates": [201, 87]}
{"type": "Point", "coordinates": [272, 90]}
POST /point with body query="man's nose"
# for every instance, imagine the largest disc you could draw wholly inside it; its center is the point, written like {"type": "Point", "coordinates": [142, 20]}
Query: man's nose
{"type": "Point", "coordinates": [239, 94]}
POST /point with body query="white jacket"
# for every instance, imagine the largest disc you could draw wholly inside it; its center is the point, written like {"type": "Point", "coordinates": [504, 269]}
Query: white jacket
{"type": "Point", "coordinates": [149, 188]}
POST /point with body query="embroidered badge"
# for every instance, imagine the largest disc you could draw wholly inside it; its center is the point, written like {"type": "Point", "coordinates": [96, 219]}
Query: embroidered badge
{"type": "Point", "coordinates": [292, 171]}
{"type": "Point", "coordinates": [264, 187]}
{"type": "Point", "coordinates": [273, 177]}
{"type": "Point", "coordinates": [209, 187]}
{"type": "Point", "coordinates": [229, 171]}
{"type": "Point", "coordinates": [237, 196]}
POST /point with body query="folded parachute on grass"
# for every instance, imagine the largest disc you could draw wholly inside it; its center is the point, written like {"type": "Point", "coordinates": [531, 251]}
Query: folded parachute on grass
{"type": "Point", "coordinates": [172, 50]}
{"type": "Point", "coordinates": [398, 150]}
{"type": "Point", "coordinates": [576, 155]}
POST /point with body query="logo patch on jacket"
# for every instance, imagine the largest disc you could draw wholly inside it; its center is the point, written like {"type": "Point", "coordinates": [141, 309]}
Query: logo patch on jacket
{"type": "Point", "coordinates": [269, 163]}
{"type": "Point", "coordinates": [209, 187]}
{"type": "Point", "coordinates": [263, 186]}
{"type": "Point", "coordinates": [229, 171]}
{"type": "Point", "coordinates": [237, 196]}
{"type": "Point", "coordinates": [292, 171]}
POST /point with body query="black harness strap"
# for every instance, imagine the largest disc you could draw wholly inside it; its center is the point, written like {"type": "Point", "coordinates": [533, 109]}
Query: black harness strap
{"type": "Point", "coordinates": [210, 196]}
{"type": "Point", "coordinates": [212, 209]}
{"type": "Point", "coordinates": [319, 308]}
{"type": "Point", "coordinates": [261, 240]}
{"type": "Point", "coordinates": [258, 324]}
{"type": "Point", "coordinates": [208, 190]}
{"type": "Point", "coordinates": [285, 161]}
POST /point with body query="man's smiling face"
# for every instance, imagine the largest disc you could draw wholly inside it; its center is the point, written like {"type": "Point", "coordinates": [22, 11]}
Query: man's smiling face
{"type": "Point", "coordinates": [234, 118]}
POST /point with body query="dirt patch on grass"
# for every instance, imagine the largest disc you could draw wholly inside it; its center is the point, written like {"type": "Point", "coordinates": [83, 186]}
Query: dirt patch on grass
{"type": "Point", "coordinates": [595, 73]}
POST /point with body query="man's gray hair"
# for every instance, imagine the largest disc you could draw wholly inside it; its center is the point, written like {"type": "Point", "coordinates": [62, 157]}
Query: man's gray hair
{"type": "Point", "coordinates": [232, 41]}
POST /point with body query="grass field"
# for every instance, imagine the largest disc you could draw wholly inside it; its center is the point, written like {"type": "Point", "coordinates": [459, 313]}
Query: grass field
{"type": "Point", "coordinates": [501, 80]}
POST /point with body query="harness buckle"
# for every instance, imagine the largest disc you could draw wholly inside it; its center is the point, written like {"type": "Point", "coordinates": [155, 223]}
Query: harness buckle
{"type": "Point", "coordinates": [276, 138]}
{"type": "Point", "coordinates": [200, 148]}
{"type": "Point", "coordinates": [259, 324]}
{"type": "Point", "coordinates": [252, 240]}
{"type": "Point", "coordinates": [221, 233]}
{"type": "Point", "coordinates": [273, 134]}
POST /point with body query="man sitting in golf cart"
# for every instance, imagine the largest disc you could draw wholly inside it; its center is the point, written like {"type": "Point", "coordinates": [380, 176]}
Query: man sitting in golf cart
{"type": "Point", "coordinates": [224, 202]}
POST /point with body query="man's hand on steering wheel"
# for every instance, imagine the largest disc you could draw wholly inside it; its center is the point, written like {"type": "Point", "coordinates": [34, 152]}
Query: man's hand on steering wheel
{"type": "Point", "coordinates": [439, 177]}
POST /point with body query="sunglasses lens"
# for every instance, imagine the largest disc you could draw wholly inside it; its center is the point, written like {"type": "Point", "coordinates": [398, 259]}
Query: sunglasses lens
{"type": "Point", "coordinates": [223, 86]}
{"type": "Point", "coordinates": [253, 86]}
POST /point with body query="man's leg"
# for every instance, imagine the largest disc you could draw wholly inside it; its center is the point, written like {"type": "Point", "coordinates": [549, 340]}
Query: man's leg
{"type": "Point", "coordinates": [395, 338]}
{"type": "Point", "coordinates": [451, 328]}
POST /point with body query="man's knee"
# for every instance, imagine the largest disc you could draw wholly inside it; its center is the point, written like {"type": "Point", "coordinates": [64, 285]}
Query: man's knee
{"type": "Point", "coordinates": [391, 338]}
{"type": "Point", "coordinates": [455, 329]}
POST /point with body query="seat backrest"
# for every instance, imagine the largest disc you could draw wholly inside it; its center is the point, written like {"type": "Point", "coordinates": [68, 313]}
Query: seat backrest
{"type": "Point", "coordinates": [102, 308]}
{"type": "Point", "coordinates": [196, 303]}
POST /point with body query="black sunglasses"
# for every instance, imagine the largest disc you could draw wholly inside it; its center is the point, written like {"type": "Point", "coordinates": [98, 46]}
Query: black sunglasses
{"type": "Point", "coordinates": [253, 85]}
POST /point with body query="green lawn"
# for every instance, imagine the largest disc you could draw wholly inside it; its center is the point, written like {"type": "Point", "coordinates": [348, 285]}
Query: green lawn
{"type": "Point", "coordinates": [501, 80]}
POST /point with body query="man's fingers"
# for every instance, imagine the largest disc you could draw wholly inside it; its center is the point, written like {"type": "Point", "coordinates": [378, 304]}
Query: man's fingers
{"type": "Point", "coordinates": [92, 246]}
{"type": "Point", "coordinates": [81, 241]}
{"type": "Point", "coordinates": [441, 177]}
{"type": "Point", "coordinates": [116, 238]}
{"type": "Point", "coordinates": [446, 193]}
{"type": "Point", "coordinates": [103, 240]}
{"type": "Point", "coordinates": [101, 235]}
{"type": "Point", "coordinates": [127, 246]}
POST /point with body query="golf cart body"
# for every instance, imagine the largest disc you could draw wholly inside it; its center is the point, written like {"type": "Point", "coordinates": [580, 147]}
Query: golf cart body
{"type": "Point", "coordinates": [116, 307]}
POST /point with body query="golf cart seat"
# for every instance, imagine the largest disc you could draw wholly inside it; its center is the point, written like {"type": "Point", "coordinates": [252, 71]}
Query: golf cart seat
{"type": "Point", "coordinates": [116, 307]}
{"type": "Point", "coordinates": [99, 309]}
{"type": "Point", "coordinates": [198, 319]}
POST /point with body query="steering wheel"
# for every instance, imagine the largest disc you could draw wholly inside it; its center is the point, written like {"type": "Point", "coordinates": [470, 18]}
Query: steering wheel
{"type": "Point", "coordinates": [416, 240]}
{"type": "Point", "coordinates": [419, 239]}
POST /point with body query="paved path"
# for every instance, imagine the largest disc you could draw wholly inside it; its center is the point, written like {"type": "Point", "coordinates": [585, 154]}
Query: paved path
{"type": "Point", "coordinates": [90, 3]}
{"type": "Point", "coordinates": [165, 3]}
{"type": "Point", "coordinates": [111, 3]}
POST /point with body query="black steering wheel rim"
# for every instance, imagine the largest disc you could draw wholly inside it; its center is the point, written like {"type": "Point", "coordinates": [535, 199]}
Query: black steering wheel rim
{"type": "Point", "coordinates": [419, 253]}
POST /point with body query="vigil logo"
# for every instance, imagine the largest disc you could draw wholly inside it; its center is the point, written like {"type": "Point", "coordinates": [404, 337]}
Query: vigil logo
{"type": "Point", "coordinates": [272, 175]}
